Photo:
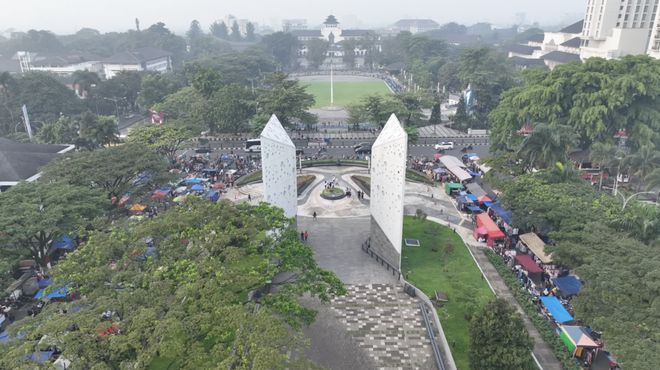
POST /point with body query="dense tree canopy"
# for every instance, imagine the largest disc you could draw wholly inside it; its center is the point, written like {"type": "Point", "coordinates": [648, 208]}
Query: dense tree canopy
{"type": "Point", "coordinates": [283, 47]}
{"type": "Point", "coordinates": [596, 98]}
{"type": "Point", "coordinates": [37, 214]}
{"type": "Point", "coordinates": [113, 170]}
{"type": "Point", "coordinates": [221, 290]}
{"type": "Point", "coordinates": [165, 140]}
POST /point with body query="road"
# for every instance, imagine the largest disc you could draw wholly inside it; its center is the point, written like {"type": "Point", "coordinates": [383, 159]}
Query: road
{"type": "Point", "coordinates": [341, 148]}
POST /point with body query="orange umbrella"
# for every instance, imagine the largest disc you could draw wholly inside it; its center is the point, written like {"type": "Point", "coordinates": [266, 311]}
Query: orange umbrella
{"type": "Point", "coordinates": [137, 207]}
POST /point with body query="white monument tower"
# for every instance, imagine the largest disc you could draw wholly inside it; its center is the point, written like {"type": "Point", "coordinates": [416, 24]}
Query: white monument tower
{"type": "Point", "coordinates": [278, 166]}
{"type": "Point", "coordinates": [388, 179]}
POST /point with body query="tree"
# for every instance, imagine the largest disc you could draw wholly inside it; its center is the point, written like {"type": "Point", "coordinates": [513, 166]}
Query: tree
{"type": "Point", "coordinates": [602, 155]}
{"type": "Point", "coordinates": [195, 31]}
{"type": "Point", "coordinates": [207, 81]}
{"type": "Point", "coordinates": [375, 109]}
{"type": "Point", "coordinates": [461, 118]}
{"type": "Point", "coordinates": [498, 339]}
{"type": "Point", "coordinates": [249, 32]}
{"type": "Point", "coordinates": [37, 214]}
{"type": "Point", "coordinates": [652, 180]}
{"type": "Point", "coordinates": [232, 108]}
{"type": "Point", "coordinates": [283, 47]}
{"type": "Point", "coordinates": [86, 131]}
{"type": "Point", "coordinates": [547, 145]}
{"type": "Point", "coordinates": [436, 114]}
{"type": "Point", "coordinates": [596, 98]}
{"type": "Point", "coordinates": [165, 140]}
{"type": "Point", "coordinates": [121, 91]}
{"type": "Point", "coordinates": [317, 50]}
{"type": "Point", "coordinates": [187, 106]}
{"type": "Point", "coordinates": [239, 267]}
{"type": "Point", "coordinates": [285, 98]}
{"type": "Point", "coordinates": [410, 107]}
{"type": "Point", "coordinates": [155, 87]}
{"type": "Point", "coordinates": [113, 170]}
{"type": "Point", "coordinates": [236, 32]}
{"type": "Point", "coordinates": [219, 30]}
{"type": "Point", "coordinates": [644, 161]}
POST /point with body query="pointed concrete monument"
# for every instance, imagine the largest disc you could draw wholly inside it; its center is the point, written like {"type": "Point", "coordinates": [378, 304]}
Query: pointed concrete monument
{"type": "Point", "coordinates": [388, 180]}
{"type": "Point", "coordinates": [278, 166]}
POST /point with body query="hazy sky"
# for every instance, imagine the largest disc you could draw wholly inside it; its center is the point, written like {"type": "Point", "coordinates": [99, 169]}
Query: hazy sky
{"type": "Point", "coordinates": [66, 16]}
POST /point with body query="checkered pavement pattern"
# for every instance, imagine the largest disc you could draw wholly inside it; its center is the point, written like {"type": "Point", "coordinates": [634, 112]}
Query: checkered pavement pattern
{"type": "Point", "coordinates": [388, 324]}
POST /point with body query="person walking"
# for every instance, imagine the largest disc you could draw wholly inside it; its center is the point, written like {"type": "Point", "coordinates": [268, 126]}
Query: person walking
{"type": "Point", "coordinates": [306, 235]}
{"type": "Point", "coordinates": [314, 215]}
{"type": "Point", "coordinates": [249, 198]}
{"type": "Point", "coordinates": [302, 236]}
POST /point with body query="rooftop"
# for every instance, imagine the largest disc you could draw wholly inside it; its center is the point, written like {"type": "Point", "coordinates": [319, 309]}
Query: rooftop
{"type": "Point", "coordinates": [419, 23]}
{"type": "Point", "coordinates": [560, 56]}
{"type": "Point", "coordinates": [574, 28]}
{"type": "Point", "coordinates": [137, 56]}
{"type": "Point", "coordinates": [523, 49]}
{"type": "Point", "coordinates": [19, 162]}
{"type": "Point", "coordinates": [527, 62]}
{"type": "Point", "coordinates": [572, 43]}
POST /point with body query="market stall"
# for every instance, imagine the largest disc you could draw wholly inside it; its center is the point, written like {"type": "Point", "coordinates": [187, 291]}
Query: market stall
{"type": "Point", "coordinates": [534, 272]}
{"type": "Point", "coordinates": [453, 188]}
{"type": "Point", "coordinates": [494, 233]}
{"type": "Point", "coordinates": [579, 342]}
{"type": "Point", "coordinates": [568, 286]}
{"type": "Point", "coordinates": [556, 310]}
{"type": "Point", "coordinates": [535, 245]}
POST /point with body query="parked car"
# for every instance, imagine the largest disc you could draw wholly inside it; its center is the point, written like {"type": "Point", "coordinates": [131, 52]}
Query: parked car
{"type": "Point", "coordinates": [444, 145]}
{"type": "Point", "coordinates": [360, 145]}
{"type": "Point", "coordinates": [204, 149]}
{"type": "Point", "coordinates": [365, 149]}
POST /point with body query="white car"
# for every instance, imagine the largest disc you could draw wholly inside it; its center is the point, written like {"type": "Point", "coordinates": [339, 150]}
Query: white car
{"type": "Point", "coordinates": [444, 145]}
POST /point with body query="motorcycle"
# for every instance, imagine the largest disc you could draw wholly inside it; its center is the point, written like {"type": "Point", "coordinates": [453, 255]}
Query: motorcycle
{"type": "Point", "coordinates": [466, 148]}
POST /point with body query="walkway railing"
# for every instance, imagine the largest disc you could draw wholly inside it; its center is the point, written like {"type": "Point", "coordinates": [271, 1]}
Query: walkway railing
{"type": "Point", "coordinates": [429, 329]}
{"type": "Point", "coordinates": [366, 247]}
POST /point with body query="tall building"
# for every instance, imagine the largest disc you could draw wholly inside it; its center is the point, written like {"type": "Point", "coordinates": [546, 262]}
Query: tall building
{"type": "Point", "coordinates": [615, 28]}
{"type": "Point", "coordinates": [654, 42]}
{"type": "Point", "coordinates": [289, 25]}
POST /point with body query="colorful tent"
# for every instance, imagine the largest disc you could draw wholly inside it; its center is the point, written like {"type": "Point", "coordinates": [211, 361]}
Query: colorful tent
{"type": "Point", "coordinates": [453, 187]}
{"type": "Point", "coordinates": [537, 246]}
{"type": "Point", "coordinates": [137, 207]}
{"type": "Point", "coordinates": [55, 294]}
{"type": "Point", "coordinates": [576, 338]}
{"type": "Point", "coordinates": [179, 199]}
{"type": "Point", "coordinates": [484, 198]}
{"type": "Point", "coordinates": [193, 181]}
{"type": "Point", "coordinates": [471, 197]}
{"type": "Point", "coordinates": [124, 199]}
{"type": "Point", "coordinates": [474, 209]}
{"type": "Point", "coordinates": [494, 232]}
{"type": "Point", "coordinates": [556, 309]}
{"type": "Point", "coordinates": [440, 171]}
{"type": "Point", "coordinates": [43, 283]}
{"type": "Point", "coordinates": [502, 213]}
{"type": "Point", "coordinates": [213, 196]}
{"type": "Point", "coordinates": [198, 188]}
{"type": "Point", "coordinates": [568, 285]}
{"type": "Point", "coordinates": [41, 356]}
{"type": "Point", "coordinates": [219, 185]}
{"type": "Point", "coordinates": [528, 264]}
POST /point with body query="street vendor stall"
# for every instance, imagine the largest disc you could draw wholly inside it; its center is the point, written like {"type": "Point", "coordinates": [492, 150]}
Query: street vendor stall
{"type": "Point", "coordinates": [526, 262]}
{"type": "Point", "coordinates": [568, 286]}
{"type": "Point", "coordinates": [493, 232]}
{"type": "Point", "coordinates": [137, 208]}
{"type": "Point", "coordinates": [537, 247]}
{"type": "Point", "coordinates": [556, 310]}
{"type": "Point", "coordinates": [578, 342]}
{"type": "Point", "coordinates": [453, 188]}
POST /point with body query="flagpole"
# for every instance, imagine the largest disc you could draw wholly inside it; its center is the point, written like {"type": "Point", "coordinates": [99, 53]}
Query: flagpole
{"type": "Point", "coordinates": [332, 87]}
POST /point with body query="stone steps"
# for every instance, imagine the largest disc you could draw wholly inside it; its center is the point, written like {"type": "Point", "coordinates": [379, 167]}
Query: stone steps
{"type": "Point", "coordinates": [387, 324]}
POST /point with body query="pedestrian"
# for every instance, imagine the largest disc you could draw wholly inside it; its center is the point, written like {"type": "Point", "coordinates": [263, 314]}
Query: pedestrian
{"type": "Point", "coordinates": [314, 215]}
{"type": "Point", "coordinates": [302, 236]}
{"type": "Point", "coordinates": [249, 198]}
{"type": "Point", "coordinates": [306, 235]}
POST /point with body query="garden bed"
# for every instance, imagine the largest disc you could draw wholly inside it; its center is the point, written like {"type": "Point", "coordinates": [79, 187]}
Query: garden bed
{"type": "Point", "coordinates": [333, 194]}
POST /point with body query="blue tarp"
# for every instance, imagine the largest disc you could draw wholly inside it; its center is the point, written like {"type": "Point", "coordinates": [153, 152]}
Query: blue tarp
{"type": "Point", "coordinates": [472, 197]}
{"type": "Point", "coordinates": [58, 293]}
{"type": "Point", "coordinates": [488, 204]}
{"type": "Point", "coordinates": [213, 196]}
{"type": "Point", "coordinates": [165, 190]}
{"type": "Point", "coordinates": [440, 170]}
{"type": "Point", "coordinates": [194, 180]}
{"type": "Point", "coordinates": [4, 337]}
{"type": "Point", "coordinates": [41, 356]}
{"type": "Point", "coordinates": [502, 213]}
{"type": "Point", "coordinates": [65, 242]}
{"type": "Point", "coordinates": [556, 309]}
{"type": "Point", "coordinates": [197, 188]}
{"type": "Point", "coordinates": [474, 209]}
{"type": "Point", "coordinates": [568, 285]}
{"type": "Point", "coordinates": [43, 283]}
{"type": "Point", "coordinates": [463, 200]}
{"type": "Point", "coordinates": [473, 174]}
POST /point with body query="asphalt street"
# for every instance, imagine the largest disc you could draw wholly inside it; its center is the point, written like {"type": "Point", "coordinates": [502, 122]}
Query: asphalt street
{"type": "Point", "coordinates": [344, 148]}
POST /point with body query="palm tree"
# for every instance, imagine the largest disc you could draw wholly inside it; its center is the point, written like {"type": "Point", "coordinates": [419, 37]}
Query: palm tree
{"type": "Point", "coordinates": [652, 180]}
{"type": "Point", "coordinates": [548, 145]}
{"type": "Point", "coordinates": [644, 161]}
{"type": "Point", "coordinates": [602, 154]}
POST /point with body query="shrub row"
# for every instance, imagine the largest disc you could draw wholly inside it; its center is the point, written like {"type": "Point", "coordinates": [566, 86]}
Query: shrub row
{"type": "Point", "coordinates": [541, 323]}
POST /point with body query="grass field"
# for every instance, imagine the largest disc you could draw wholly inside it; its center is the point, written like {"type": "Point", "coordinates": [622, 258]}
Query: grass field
{"type": "Point", "coordinates": [346, 92]}
{"type": "Point", "coordinates": [443, 263]}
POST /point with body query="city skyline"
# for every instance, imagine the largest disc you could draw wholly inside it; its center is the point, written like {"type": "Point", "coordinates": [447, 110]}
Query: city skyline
{"type": "Point", "coordinates": [21, 16]}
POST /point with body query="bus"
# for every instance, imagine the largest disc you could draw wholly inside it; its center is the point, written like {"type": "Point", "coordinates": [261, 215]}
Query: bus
{"type": "Point", "coordinates": [253, 146]}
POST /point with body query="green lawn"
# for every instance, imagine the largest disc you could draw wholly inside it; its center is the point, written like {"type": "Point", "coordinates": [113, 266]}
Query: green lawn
{"type": "Point", "coordinates": [443, 263]}
{"type": "Point", "coordinates": [346, 92]}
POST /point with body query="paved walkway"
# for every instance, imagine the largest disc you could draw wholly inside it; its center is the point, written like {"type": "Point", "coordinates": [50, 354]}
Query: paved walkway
{"type": "Point", "coordinates": [335, 237]}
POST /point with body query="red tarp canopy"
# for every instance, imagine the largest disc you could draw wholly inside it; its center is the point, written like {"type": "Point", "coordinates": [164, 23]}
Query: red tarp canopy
{"type": "Point", "coordinates": [528, 263]}
{"type": "Point", "coordinates": [494, 232]}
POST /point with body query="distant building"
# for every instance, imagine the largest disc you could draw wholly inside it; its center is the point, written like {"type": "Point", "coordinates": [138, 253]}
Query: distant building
{"type": "Point", "coordinates": [289, 25]}
{"type": "Point", "coordinates": [415, 25]}
{"type": "Point", "coordinates": [242, 24]}
{"type": "Point", "coordinates": [332, 32]}
{"type": "Point", "coordinates": [23, 162]}
{"type": "Point", "coordinates": [654, 42]}
{"type": "Point", "coordinates": [615, 28]}
{"type": "Point", "coordinates": [144, 59]}
{"type": "Point", "coordinates": [550, 49]}
{"type": "Point", "coordinates": [60, 64]}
